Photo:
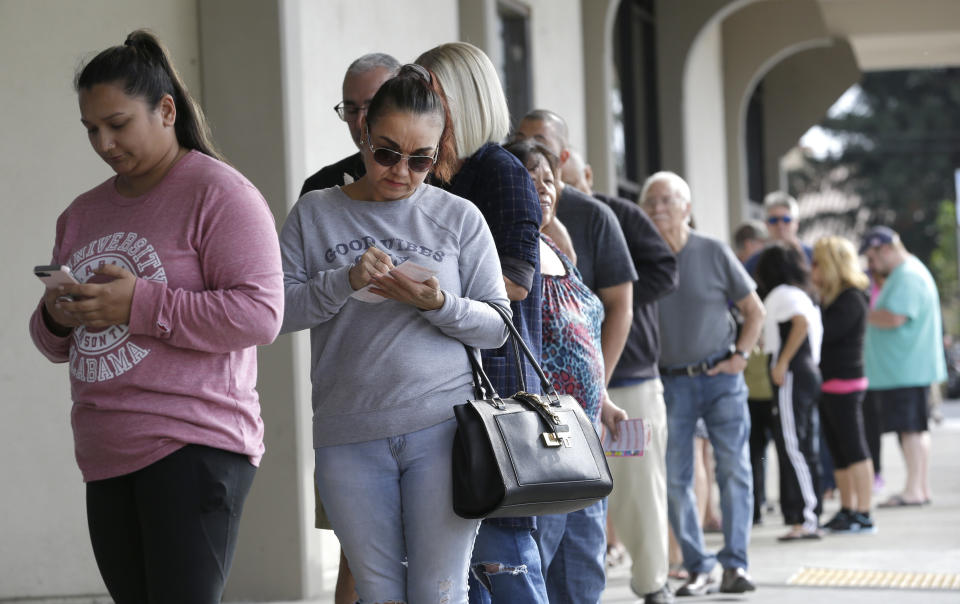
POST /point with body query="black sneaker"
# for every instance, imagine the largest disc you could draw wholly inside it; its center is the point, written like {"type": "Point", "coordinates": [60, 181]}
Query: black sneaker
{"type": "Point", "coordinates": [862, 524]}
{"type": "Point", "coordinates": [853, 522]}
{"type": "Point", "coordinates": [736, 581]}
{"type": "Point", "coordinates": [700, 584]}
{"type": "Point", "coordinates": [840, 523]}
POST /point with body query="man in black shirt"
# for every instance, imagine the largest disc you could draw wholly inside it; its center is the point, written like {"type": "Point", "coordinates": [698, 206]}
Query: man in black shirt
{"type": "Point", "coordinates": [638, 504]}
{"type": "Point", "coordinates": [362, 80]}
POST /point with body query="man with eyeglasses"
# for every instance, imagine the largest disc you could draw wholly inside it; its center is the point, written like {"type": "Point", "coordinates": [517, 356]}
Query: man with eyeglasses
{"type": "Point", "coordinates": [362, 80]}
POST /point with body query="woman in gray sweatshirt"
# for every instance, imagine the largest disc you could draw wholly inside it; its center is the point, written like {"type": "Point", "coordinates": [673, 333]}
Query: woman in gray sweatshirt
{"type": "Point", "coordinates": [388, 362]}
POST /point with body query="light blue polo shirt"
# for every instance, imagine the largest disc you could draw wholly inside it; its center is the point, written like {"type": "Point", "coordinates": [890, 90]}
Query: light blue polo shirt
{"type": "Point", "coordinates": [912, 354]}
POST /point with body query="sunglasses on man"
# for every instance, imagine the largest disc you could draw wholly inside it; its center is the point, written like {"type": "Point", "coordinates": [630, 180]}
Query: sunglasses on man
{"type": "Point", "coordinates": [775, 219]}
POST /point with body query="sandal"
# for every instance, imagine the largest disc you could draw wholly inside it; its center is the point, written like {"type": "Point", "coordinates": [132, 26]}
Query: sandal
{"type": "Point", "coordinates": [799, 534]}
{"type": "Point", "coordinates": [678, 572]}
{"type": "Point", "coordinates": [616, 555]}
{"type": "Point", "coordinates": [897, 501]}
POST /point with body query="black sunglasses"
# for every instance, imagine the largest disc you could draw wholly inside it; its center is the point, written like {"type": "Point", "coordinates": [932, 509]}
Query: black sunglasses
{"type": "Point", "coordinates": [388, 157]}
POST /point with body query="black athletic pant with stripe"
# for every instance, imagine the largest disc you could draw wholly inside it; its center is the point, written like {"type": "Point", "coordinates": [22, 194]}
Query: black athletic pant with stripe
{"type": "Point", "coordinates": [799, 438]}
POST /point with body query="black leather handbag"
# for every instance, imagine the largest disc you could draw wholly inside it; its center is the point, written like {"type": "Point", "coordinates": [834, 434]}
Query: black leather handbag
{"type": "Point", "coordinates": [527, 455]}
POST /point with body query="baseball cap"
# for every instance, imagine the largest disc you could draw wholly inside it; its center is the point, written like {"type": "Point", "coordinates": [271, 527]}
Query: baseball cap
{"type": "Point", "coordinates": [876, 236]}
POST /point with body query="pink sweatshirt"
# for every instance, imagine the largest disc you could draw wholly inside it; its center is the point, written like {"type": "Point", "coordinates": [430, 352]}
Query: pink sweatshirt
{"type": "Point", "coordinates": [210, 289]}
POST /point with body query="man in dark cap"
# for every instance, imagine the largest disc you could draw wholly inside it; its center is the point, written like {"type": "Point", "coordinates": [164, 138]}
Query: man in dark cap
{"type": "Point", "coordinates": [903, 353]}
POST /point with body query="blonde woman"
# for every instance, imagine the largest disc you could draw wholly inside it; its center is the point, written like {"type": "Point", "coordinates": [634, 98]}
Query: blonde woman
{"type": "Point", "coordinates": [499, 186]}
{"type": "Point", "coordinates": [837, 275]}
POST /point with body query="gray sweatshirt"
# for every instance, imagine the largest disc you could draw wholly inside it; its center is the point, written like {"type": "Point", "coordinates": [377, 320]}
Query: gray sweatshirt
{"type": "Point", "coordinates": [381, 370]}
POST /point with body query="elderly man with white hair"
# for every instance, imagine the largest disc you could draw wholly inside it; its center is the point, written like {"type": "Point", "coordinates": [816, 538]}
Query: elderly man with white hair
{"type": "Point", "coordinates": [702, 358]}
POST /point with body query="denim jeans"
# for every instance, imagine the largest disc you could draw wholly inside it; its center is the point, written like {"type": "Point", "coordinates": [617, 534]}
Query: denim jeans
{"type": "Point", "coordinates": [390, 503]}
{"type": "Point", "coordinates": [506, 566]}
{"type": "Point", "coordinates": [721, 400]}
{"type": "Point", "coordinates": [573, 551]}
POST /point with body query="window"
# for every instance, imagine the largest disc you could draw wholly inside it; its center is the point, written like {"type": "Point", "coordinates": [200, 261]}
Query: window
{"type": "Point", "coordinates": [636, 116]}
{"type": "Point", "coordinates": [514, 19]}
{"type": "Point", "coordinates": [756, 184]}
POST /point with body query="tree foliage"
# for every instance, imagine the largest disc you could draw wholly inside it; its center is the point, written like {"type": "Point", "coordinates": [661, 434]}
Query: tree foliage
{"type": "Point", "coordinates": [900, 147]}
{"type": "Point", "coordinates": [943, 266]}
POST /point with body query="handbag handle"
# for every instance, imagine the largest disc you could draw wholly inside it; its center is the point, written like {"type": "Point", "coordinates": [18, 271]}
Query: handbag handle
{"type": "Point", "coordinates": [483, 381]}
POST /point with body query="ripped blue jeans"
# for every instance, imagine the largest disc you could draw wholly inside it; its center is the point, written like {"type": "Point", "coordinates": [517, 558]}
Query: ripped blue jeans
{"type": "Point", "coordinates": [505, 568]}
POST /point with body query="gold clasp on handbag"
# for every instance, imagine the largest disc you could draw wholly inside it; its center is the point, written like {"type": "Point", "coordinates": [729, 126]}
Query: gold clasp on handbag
{"type": "Point", "coordinates": [536, 400]}
{"type": "Point", "coordinates": [552, 439]}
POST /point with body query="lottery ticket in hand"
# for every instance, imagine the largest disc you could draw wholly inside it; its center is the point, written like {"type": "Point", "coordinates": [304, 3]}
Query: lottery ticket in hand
{"type": "Point", "coordinates": [408, 269]}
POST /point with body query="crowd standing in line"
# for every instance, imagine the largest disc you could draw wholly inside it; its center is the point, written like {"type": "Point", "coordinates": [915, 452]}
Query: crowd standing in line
{"type": "Point", "coordinates": [639, 500]}
{"type": "Point", "coordinates": [583, 275]}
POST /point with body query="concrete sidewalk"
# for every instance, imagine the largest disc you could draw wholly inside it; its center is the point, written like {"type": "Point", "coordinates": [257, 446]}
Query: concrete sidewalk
{"type": "Point", "coordinates": [911, 539]}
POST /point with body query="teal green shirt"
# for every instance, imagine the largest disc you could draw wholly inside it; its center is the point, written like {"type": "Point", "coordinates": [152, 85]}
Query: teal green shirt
{"type": "Point", "coordinates": [912, 354]}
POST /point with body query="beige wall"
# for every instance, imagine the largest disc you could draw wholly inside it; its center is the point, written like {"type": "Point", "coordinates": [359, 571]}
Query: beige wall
{"type": "Point", "coordinates": [703, 135]}
{"type": "Point", "coordinates": [796, 93]}
{"type": "Point", "coordinates": [47, 161]}
{"type": "Point", "coordinates": [557, 63]}
{"type": "Point", "coordinates": [334, 33]}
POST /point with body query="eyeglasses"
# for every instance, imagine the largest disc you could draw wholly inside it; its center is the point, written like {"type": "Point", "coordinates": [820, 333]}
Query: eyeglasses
{"type": "Point", "coordinates": [771, 220]}
{"type": "Point", "coordinates": [652, 202]}
{"type": "Point", "coordinates": [349, 111]}
{"type": "Point", "coordinates": [388, 157]}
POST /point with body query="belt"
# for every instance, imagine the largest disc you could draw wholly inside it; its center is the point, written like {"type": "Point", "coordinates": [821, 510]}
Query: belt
{"type": "Point", "coordinates": [689, 370]}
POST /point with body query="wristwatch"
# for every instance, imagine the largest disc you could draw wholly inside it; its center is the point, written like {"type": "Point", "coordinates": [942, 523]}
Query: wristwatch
{"type": "Point", "coordinates": [745, 354]}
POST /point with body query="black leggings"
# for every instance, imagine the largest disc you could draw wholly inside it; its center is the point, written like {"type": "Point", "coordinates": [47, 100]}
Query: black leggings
{"type": "Point", "coordinates": [167, 533]}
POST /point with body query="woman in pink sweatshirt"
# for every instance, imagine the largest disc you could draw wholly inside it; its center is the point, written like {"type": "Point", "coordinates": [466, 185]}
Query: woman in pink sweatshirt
{"type": "Point", "coordinates": [180, 280]}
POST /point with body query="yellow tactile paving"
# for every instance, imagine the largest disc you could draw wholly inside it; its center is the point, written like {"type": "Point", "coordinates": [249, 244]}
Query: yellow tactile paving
{"type": "Point", "coordinates": [840, 577]}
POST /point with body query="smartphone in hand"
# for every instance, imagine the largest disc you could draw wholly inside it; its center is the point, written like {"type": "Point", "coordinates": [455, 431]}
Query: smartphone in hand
{"type": "Point", "coordinates": [54, 275]}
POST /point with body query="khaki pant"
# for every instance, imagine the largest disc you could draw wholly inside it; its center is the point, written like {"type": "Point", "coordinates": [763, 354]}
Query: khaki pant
{"type": "Point", "coordinates": [638, 504]}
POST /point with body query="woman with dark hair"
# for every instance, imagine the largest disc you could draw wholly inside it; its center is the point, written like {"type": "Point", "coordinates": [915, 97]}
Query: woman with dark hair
{"type": "Point", "coordinates": [572, 546]}
{"type": "Point", "coordinates": [792, 333]}
{"type": "Point", "coordinates": [180, 281]}
{"type": "Point", "coordinates": [388, 362]}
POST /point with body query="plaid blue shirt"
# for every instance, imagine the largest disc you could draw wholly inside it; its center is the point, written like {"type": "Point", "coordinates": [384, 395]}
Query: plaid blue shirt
{"type": "Point", "coordinates": [498, 184]}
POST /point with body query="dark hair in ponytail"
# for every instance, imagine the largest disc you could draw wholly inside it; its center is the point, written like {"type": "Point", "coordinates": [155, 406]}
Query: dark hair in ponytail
{"type": "Point", "coordinates": [415, 89]}
{"type": "Point", "coordinates": [142, 67]}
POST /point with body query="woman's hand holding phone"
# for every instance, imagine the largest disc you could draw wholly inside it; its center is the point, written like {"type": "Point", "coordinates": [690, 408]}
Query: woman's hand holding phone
{"type": "Point", "coordinates": [101, 305]}
{"type": "Point", "coordinates": [71, 304]}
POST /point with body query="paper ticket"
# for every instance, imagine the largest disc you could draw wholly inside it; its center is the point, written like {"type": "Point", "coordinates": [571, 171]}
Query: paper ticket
{"type": "Point", "coordinates": [632, 441]}
{"type": "Point", "coordinates": [408, 269]}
